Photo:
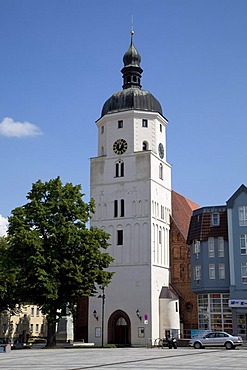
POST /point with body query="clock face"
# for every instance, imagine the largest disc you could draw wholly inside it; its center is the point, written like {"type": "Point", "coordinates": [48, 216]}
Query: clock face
{"type": "Point", "coordinates": [161, 150]}
{"type": "Point", "coordinates": [120, 146]}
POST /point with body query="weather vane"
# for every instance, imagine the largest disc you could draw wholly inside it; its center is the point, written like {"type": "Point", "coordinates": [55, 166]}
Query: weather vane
{"type": "Point", "coordinates": [132, 26]}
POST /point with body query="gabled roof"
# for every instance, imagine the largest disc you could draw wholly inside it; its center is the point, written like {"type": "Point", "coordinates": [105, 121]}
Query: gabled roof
{"type": "Point", "coordinates": [167, 292]}
{"type": "Point", "coordinates": [182, 209]}
{"type": "Point", "coordinates": [230, 202]}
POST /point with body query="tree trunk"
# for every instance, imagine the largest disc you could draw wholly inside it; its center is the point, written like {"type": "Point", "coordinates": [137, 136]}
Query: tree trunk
{"type": "Point", "coordinates": [51, 332]}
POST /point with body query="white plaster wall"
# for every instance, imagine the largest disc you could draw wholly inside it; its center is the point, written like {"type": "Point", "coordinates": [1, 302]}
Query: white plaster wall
{"type": "Point", "coordinates": [141, 264]}
{"type": "Point", "coordinates": [169, 317]}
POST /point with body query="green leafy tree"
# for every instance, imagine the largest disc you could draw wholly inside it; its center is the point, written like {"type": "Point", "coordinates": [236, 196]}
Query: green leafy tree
{"type": "Point", "coordinates": [7, 278]}
{"type": "Point", "coordinates": [56, 258]}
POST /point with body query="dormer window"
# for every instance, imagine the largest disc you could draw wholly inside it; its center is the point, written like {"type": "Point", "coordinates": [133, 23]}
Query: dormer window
{"type": "Point", "coordinates": [215, 220]}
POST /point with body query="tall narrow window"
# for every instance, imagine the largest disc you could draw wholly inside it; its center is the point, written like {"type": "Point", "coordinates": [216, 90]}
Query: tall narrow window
{"type": "Point", "coordinates": [122, 208]}
{"type": "Point", "coordinates": [210, 247]}
{"type": "Point", "coordinates": [144, 123]}
{"type": "Point", "coordinates": [144, 145]}
{"type": "Point", "coordinates": [119, 237]}
{"type": "Point", "coordinates": [160, 127]}
{"type": "Point", "coordinates": [115, 208]}
{"type": "Point", "coordinates": [211, 270]}
{"type": "Point", "coordinates": [102, 129]}
{"type": "Point", "coordinates": [221, 251]}
{"type": "Point", "coordinates": [122, 169]}
{"type": "Point", "coordinates": [243, 244]}
{"type": "Point", "coordinates": [242, 215]}
{"type": "Point", "coordinates": [221, 271]}
{"type": "Point", "coordinates": [197, 272]}
{"type": "Point", "coordinates": [244, 272]}
{"type": "Point", "coordinates": [197, 246]}
{"type": "Point", "coordinates": [119, 169]}
{"type": "Point", "coordinates": [161, 171]}
{"type": "Point", "coordinates": [160, 238]}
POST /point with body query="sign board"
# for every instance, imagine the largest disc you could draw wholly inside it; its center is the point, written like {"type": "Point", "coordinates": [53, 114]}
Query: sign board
{"type": "Point", "coordinates": [237, 303]}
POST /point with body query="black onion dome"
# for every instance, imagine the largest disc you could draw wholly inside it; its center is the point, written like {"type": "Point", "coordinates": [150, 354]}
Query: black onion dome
{"type": "Point", "coordinates": [132, 96]}
{"type": "Point", "coordinates": [132, 57]}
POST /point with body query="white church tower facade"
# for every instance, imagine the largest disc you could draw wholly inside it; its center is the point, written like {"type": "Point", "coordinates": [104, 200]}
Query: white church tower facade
{"type": "Point", "coordinates": [131, 185]}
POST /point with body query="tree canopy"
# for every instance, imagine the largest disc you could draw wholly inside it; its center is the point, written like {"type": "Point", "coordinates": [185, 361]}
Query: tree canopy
{"type": "Point", "coordinates": [55, 256]}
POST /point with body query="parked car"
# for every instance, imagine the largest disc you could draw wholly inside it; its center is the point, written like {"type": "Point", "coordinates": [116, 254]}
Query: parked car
{"type": "Point", "coordinates": [37, 342]}
{"type": "Point", "coordinates": [216, 339]}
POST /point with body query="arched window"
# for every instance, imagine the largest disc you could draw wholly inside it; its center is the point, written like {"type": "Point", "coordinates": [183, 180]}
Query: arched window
{"type": "Point", "coordinates": [119, 169]}
{"type": "Point", "coordinates": [161, 171]}
{"type": "Point", "coordinates": [145, 145]}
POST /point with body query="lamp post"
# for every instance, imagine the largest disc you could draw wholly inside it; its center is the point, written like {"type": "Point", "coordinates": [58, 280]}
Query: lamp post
{"type": "Point", "coordinates": [103, 315]}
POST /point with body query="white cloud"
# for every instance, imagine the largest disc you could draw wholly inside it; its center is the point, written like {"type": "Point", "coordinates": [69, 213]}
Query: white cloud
{"type": "Point", "coordinates": [18, 129]}
{"type": "Point", "coordinates": [3, 226]}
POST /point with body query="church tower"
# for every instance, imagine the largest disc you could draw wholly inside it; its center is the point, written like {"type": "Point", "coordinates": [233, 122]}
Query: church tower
{"type": "Point", "coordinates": [131, 185]}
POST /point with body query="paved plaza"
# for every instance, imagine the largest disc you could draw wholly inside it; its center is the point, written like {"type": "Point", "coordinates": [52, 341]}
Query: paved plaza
{"type": "Point", "coordinates": [124, 358]}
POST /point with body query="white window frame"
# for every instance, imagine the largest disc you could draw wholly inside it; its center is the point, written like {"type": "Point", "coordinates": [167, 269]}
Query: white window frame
{"type": "Point", "coordinates": [221, 247]}
{"type": "Point", "coordinates": [211, 271]}
{"type": "Point", "coordinates": [222, 273]}
{"type": "Point", "coordinates": [197, 246]}
{"type": "Point", "coordinates": [197, 272]}
{"type": "Point", "coordinates": [242, 215]}
{"type": "Point", "coordinates": [215, 219]}
{"type": "Point", "coordinates": [211, 253]}
{"type": "Point", "coordinates": [243, 244]}
{"type": "Point", "coordinates": [244, 272]}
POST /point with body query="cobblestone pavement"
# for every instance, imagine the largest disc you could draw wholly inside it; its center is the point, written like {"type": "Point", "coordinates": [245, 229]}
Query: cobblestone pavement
{"type": "Point", "coordinates": [124, 358]}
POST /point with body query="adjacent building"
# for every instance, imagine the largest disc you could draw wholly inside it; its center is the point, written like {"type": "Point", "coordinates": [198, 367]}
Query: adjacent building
{"type": "Point", "coordinates": [182, 209]}
{"type": "Point", "coordinates": [218, 245]}
{"type": "Point", "coordinates": [27, 321]}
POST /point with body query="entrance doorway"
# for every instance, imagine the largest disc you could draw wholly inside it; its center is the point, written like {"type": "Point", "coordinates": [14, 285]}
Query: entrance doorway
{"type": "Point", "coordinates": [119, 328]}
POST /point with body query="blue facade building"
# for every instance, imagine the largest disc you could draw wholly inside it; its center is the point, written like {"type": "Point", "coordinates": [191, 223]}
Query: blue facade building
{"type": "Point", "coordinates": [237, 233]}
{"type": "Point", "coordinates": [218, 245]}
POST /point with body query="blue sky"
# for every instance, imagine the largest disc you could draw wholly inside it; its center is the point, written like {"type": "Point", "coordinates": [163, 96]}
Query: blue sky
{"type": "Point", "coordinates": [61, 60]}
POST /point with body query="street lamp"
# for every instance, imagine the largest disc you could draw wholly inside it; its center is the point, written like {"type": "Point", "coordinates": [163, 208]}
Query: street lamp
{"type": "Point", "coordinates": [95, 315]}
{"type": "Point", "coordinates": [103, 315]}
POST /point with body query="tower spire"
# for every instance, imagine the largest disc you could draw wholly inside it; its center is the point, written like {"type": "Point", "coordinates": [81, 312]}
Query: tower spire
{"type": "Point", "coordinates": [131, 70]}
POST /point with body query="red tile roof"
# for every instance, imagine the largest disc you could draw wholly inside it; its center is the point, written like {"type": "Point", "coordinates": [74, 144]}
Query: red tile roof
{"type": "Point", "coordinates": [182, 209]}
